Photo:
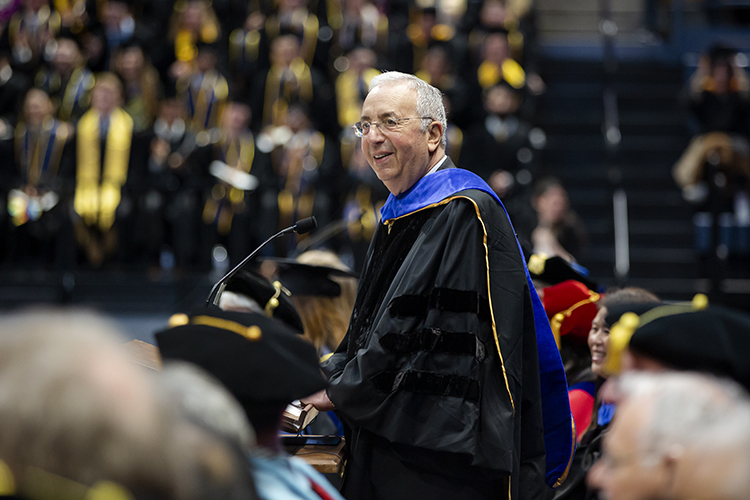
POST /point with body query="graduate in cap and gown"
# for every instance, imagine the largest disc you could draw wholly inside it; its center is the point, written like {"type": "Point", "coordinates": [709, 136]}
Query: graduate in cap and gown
{"type": "Point", "coordinates": [306, 167]}
{"type": "Point", "coordinates": [103, 169]}
{"type": "Point", "coordinates": [37, 204]}
{"type": "Point", "coordinates": [69, 82]}
{"type": "Point", "coordinates": [231, 195]}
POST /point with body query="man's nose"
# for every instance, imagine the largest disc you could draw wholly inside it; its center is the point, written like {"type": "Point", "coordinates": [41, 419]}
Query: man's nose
{"type": "Point", "coordinates": [375, 134]}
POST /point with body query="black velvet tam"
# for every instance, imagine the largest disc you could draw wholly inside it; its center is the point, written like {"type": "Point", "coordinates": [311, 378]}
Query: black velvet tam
{"type": "Point", "coordinates": [554, 270]}
{"type": "Point", "coordinates": [714, 340]}
{"type": "Point", "coordinates": [259, 289]}
{"type": "Point", "coordinates": [306, 279]}
{"type": "Point", "coordinates": [256, 358]}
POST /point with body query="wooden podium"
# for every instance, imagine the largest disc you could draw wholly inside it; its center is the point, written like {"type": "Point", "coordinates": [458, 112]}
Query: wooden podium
{"type": "Point", "coordinates": [325, 458]}
{"type": "Point", "coordinates": [144, 354]}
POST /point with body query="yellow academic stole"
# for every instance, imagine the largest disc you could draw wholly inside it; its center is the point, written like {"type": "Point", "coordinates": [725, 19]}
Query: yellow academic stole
{"type": "Point", "coordinates": [98, 193]}
{"type": "Point", "coordinates": [280, 90]}
{"type": "Point", "coordinates": [297, 198]}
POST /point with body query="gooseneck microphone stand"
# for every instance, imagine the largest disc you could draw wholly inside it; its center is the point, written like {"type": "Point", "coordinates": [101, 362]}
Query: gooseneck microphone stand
{"type": "Point", "coordinates": [300, 227]}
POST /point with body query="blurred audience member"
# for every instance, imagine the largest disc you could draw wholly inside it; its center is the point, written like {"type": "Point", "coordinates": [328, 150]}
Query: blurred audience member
{"type": "Point", "coordinates": [142, 86]}
{"type": "Point", "coordinates": [678, 437]}
{"type": "Point", "coordinates": [352, 84]}
{"type": "Point", "coordinates": [294, 18]}
{"type": "Point", "coordinates": [571, 307]}
{"type": "Point", "coordinates": [13, 87]}
{"type": "Point", "coordinates": [38, 203]}
{"type": "Point", "coordinates": [439, 70]}
{"type": "Point", "coordinates": [289, 79]}
{"type": "Point", "coordinates": [496, 64]}
{"type": "Point", "coordinates": [611, 307]}
{"type": "Point", "coordinates": [362, 26]}
{"type": "Point", "coordinates": [364, 195]}
{"type": "Point", "coordinates": [31, 33]}
{"type": "Point", "coordinates": [68, 82]}
{"type": "Point", "coordinates": [720, 105]}
{"type": "Point", "coordinates": [81, 419]}
{"type": "Point", "coordinates": [174, 190]}
{"type": "Point", "coordinates": [265, 366]}
{"type": "Point", "coordinates": [204, 92]}
{"type": "Point", "coordinates": [307, 168]}
{"type": "Point", "coordinates": [120, 30]}
{"type": "Point", "coordinates": [193, 23]}
{"type": "Point", "coordinates": [202, 400]}
{"type": "Point", "coordinates": [558, 230]}
{"type": "Point", "coordinates": [104, 137]}
{"type": "Point", "coordinates": [427, 31]}
{"type": "Point", "coordinates": [502, 149]}
{"type": "Point", "coordinates": [323, 290]}
{"type": "Point", "coordinates": [231, 206]}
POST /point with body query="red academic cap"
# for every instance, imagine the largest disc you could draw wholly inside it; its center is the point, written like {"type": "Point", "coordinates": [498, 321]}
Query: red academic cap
{"type": "Point", "coordinates": [570, 307]}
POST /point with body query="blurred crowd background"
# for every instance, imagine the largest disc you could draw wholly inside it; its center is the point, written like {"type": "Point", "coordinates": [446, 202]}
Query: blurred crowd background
{"type": "Point", "coordinates": [148, 146]}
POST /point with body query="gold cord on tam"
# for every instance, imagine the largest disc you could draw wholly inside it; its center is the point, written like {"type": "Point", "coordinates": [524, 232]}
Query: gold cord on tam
{"type": "Point", "coordinates": [273, 302]}
{"type": "Point", "coordinates": [249, 332]}
{"type": "Point", "coordinates": [623, 330]}
{"type": "Point", "coordinates": [537, 263]}
{"type": "Point", "coordinates": [557, 320]}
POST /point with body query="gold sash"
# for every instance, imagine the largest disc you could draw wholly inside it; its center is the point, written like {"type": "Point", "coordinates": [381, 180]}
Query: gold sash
{"type": "Point", "coordinates": [348, 96]}
{"type": "Point", "coordinates": [97, 196]}
{"type": "Point", "coordinates": [276, 99]}
{"type": "Point", "coordinates": [490, 74]}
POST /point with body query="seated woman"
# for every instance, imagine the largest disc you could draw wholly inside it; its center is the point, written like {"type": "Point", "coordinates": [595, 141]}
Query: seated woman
{"type": "Point", "coordinates": [609, 309]}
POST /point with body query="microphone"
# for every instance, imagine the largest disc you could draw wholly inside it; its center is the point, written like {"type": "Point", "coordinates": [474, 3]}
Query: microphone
{"type": "Point", "coordinates": [305, 225]}
{"type": "Point", "coordinates": [300, 227]}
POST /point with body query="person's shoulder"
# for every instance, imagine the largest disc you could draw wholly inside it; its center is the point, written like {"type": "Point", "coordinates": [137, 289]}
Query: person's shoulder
{"type": "Point", "coordinates": [479, 198]}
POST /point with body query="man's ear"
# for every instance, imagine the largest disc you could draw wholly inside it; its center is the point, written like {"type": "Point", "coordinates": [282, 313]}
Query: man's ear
{"type": "Point", "coordinates": [435, 133]}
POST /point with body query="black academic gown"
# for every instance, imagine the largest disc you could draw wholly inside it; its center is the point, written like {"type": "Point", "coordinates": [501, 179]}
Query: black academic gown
{"type": "Point", "coordinates": [437, 378]}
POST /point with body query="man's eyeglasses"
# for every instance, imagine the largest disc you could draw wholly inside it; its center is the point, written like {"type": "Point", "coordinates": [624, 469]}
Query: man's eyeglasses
{"type": "Point", "coordinates": [361, 129]}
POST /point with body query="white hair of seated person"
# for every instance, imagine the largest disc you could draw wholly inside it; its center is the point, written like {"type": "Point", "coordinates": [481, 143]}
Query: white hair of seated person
{"type": "Point", "coordinates": [700, 422]}
{"type": "Point", "coordinates": [230, 301]}
{"type": "Point", "coordinates": [72, 404]}
{"type": "Point", "coordinates": [204, 401]}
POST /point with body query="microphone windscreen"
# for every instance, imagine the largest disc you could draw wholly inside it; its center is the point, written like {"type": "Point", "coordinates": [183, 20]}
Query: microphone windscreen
{"type": "Point", "coordinates": [305, 225]}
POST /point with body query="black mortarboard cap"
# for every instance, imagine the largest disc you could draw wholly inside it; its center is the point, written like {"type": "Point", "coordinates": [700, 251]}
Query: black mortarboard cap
{"type": "Point", "coordinates": [263, 292]}
{"type": "Point", "coordinates": [306, 279]}
{"type": "Point", "coordinates": [554, 270]}
{"type": "Point", "coordinates": [714, 340]}
{"type": "Point", "coordinates": [258, 359]}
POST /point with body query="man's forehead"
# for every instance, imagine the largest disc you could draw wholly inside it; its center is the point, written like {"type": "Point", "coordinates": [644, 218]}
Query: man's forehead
{"type": "Point", "coordinates": [389, 98]}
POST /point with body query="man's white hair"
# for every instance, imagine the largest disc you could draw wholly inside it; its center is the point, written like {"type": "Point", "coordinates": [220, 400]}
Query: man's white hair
{"type": "Point", "coordinates": [204, 401]}
{"type": "Point", "coordinates": [697, 413]}
{"type": "Point", "coordinates": [429, 98]}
